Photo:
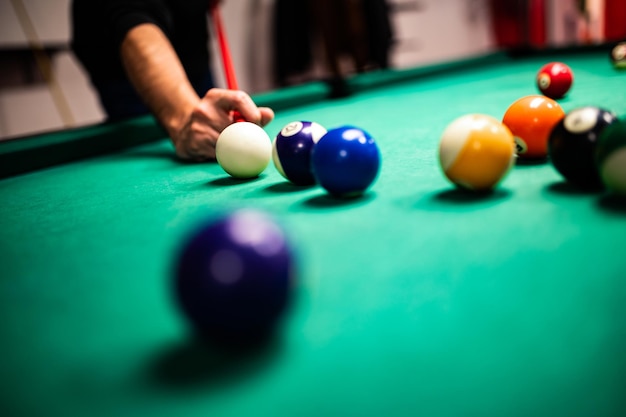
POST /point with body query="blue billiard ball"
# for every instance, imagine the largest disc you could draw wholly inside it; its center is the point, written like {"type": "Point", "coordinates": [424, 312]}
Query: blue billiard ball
{"type": "Point", "coordinates": [234, 275]}
{"type": "Point", "coordinates": [346, 161]}
{"type": "Point", "coordinates": [291, 151]}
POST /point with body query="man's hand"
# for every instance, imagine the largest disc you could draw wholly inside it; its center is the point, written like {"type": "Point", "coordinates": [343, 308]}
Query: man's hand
{"type": "Point", "coordinates": [213, 113]}
{"type": "Point", "coordinates": [193, 123]}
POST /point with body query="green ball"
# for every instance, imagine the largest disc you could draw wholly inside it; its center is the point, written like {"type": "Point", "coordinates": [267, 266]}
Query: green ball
{"type": "Point", "coordinates": [611, 157]}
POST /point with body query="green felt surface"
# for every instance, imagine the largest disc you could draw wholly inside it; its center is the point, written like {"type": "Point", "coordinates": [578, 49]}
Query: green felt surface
{"type": "Point", "coordinates": [413, 300]}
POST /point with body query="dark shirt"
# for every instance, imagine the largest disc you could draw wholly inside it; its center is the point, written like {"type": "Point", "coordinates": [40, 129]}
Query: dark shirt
{"type": "Point", "coordinates": [99, 27]}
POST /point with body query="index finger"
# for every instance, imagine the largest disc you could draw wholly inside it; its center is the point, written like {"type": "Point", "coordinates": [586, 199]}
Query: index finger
{"type": "Point", "coordinates": [237, 100]}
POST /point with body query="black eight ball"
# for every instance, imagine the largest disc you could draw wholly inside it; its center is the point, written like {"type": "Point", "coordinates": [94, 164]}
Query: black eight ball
{"type": "Point", "coordinates": [572, 145]}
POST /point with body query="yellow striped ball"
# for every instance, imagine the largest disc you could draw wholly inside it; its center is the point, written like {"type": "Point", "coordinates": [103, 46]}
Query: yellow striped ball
{"type": "Point", "coordinates": [476, 152]}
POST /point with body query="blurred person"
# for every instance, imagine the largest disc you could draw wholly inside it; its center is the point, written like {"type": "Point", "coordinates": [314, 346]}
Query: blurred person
{"type": "Point", "coordinates": [152, 56]}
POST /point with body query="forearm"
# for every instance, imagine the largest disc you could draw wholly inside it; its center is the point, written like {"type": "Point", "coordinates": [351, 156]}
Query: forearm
{"type": "Point", "coordinates": [193, 123]}
{"type": "Point", "coordinates": [158, 76]}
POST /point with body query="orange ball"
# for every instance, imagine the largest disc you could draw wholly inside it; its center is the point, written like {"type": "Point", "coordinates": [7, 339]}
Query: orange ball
{"type": "Point", "coordinates": [531, 120]}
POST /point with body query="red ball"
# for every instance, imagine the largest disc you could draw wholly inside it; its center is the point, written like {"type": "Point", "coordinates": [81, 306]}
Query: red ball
{"type": "Point", "coordinates": [554, 80]}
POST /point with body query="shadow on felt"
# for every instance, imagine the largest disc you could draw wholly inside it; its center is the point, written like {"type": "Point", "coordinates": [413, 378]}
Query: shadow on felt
{"type": "Point", "coordinates": [287, 187]}
{"type": "Point", "coordinates": [462, 196]}
{"type": "Point", "coordinates": [198, 363]}
{"type": "Point", "coordinates": [613, 203]}
{"type": "Point", "coordinates": [530, 162]}
{"type": "Point", "coordinates": [326, 200]}
{"type": "Point", "coordinates": [228, 181]}
{"type": "Point", "coordinates": [566, 188]}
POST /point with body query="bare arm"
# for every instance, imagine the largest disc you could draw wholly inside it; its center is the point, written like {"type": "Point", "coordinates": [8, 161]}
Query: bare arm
{"type": "Point", "coordinates": [158, 76]}
{"type": "Point", "coordinates": [193, 123]}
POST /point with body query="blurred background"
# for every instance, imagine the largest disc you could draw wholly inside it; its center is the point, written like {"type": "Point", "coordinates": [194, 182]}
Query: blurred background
{"type": "Point", "coordinates": [278, 43]}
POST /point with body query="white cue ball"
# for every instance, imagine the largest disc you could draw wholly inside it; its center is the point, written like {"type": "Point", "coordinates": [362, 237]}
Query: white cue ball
{"type": "Point", "coordinates": [243, 150]}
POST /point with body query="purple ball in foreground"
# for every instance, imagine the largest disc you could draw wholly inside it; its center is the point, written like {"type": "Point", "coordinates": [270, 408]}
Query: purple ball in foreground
{"type": "Point", "coordinates": [234, 276]}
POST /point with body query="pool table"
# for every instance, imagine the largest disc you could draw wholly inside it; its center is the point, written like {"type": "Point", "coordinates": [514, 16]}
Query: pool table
{"type": "Point", "coordinates": [416, 299]}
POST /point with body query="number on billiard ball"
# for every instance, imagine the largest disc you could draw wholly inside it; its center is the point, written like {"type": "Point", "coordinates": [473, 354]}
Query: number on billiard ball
{"type": "Point", "coordinates": [291, 151]}
{"type": "Point", "coordinates": [233, 276]}
{"type": "Point", "coordinates": [531, 119]}
{"type": "Point", "coordinates": [346, 161]}
{"type": "Point", "coordinates": [476, 151]}
{"type": "Point", "coordinates": [572, 145]}
{"type": "Point", "coordinates": [611, 157]}
{"type": "Point", "coordinates": [554, 80]}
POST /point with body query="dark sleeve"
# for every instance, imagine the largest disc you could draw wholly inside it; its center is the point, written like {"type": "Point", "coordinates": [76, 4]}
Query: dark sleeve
{"type": "Point", "coordinates": [98, 28]}
{"type": "Point", "coordinates": [122, 15]}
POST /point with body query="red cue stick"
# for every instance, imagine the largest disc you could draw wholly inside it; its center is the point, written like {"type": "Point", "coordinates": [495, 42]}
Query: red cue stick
{"type": "Point", "coordinates": [227, 62]}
